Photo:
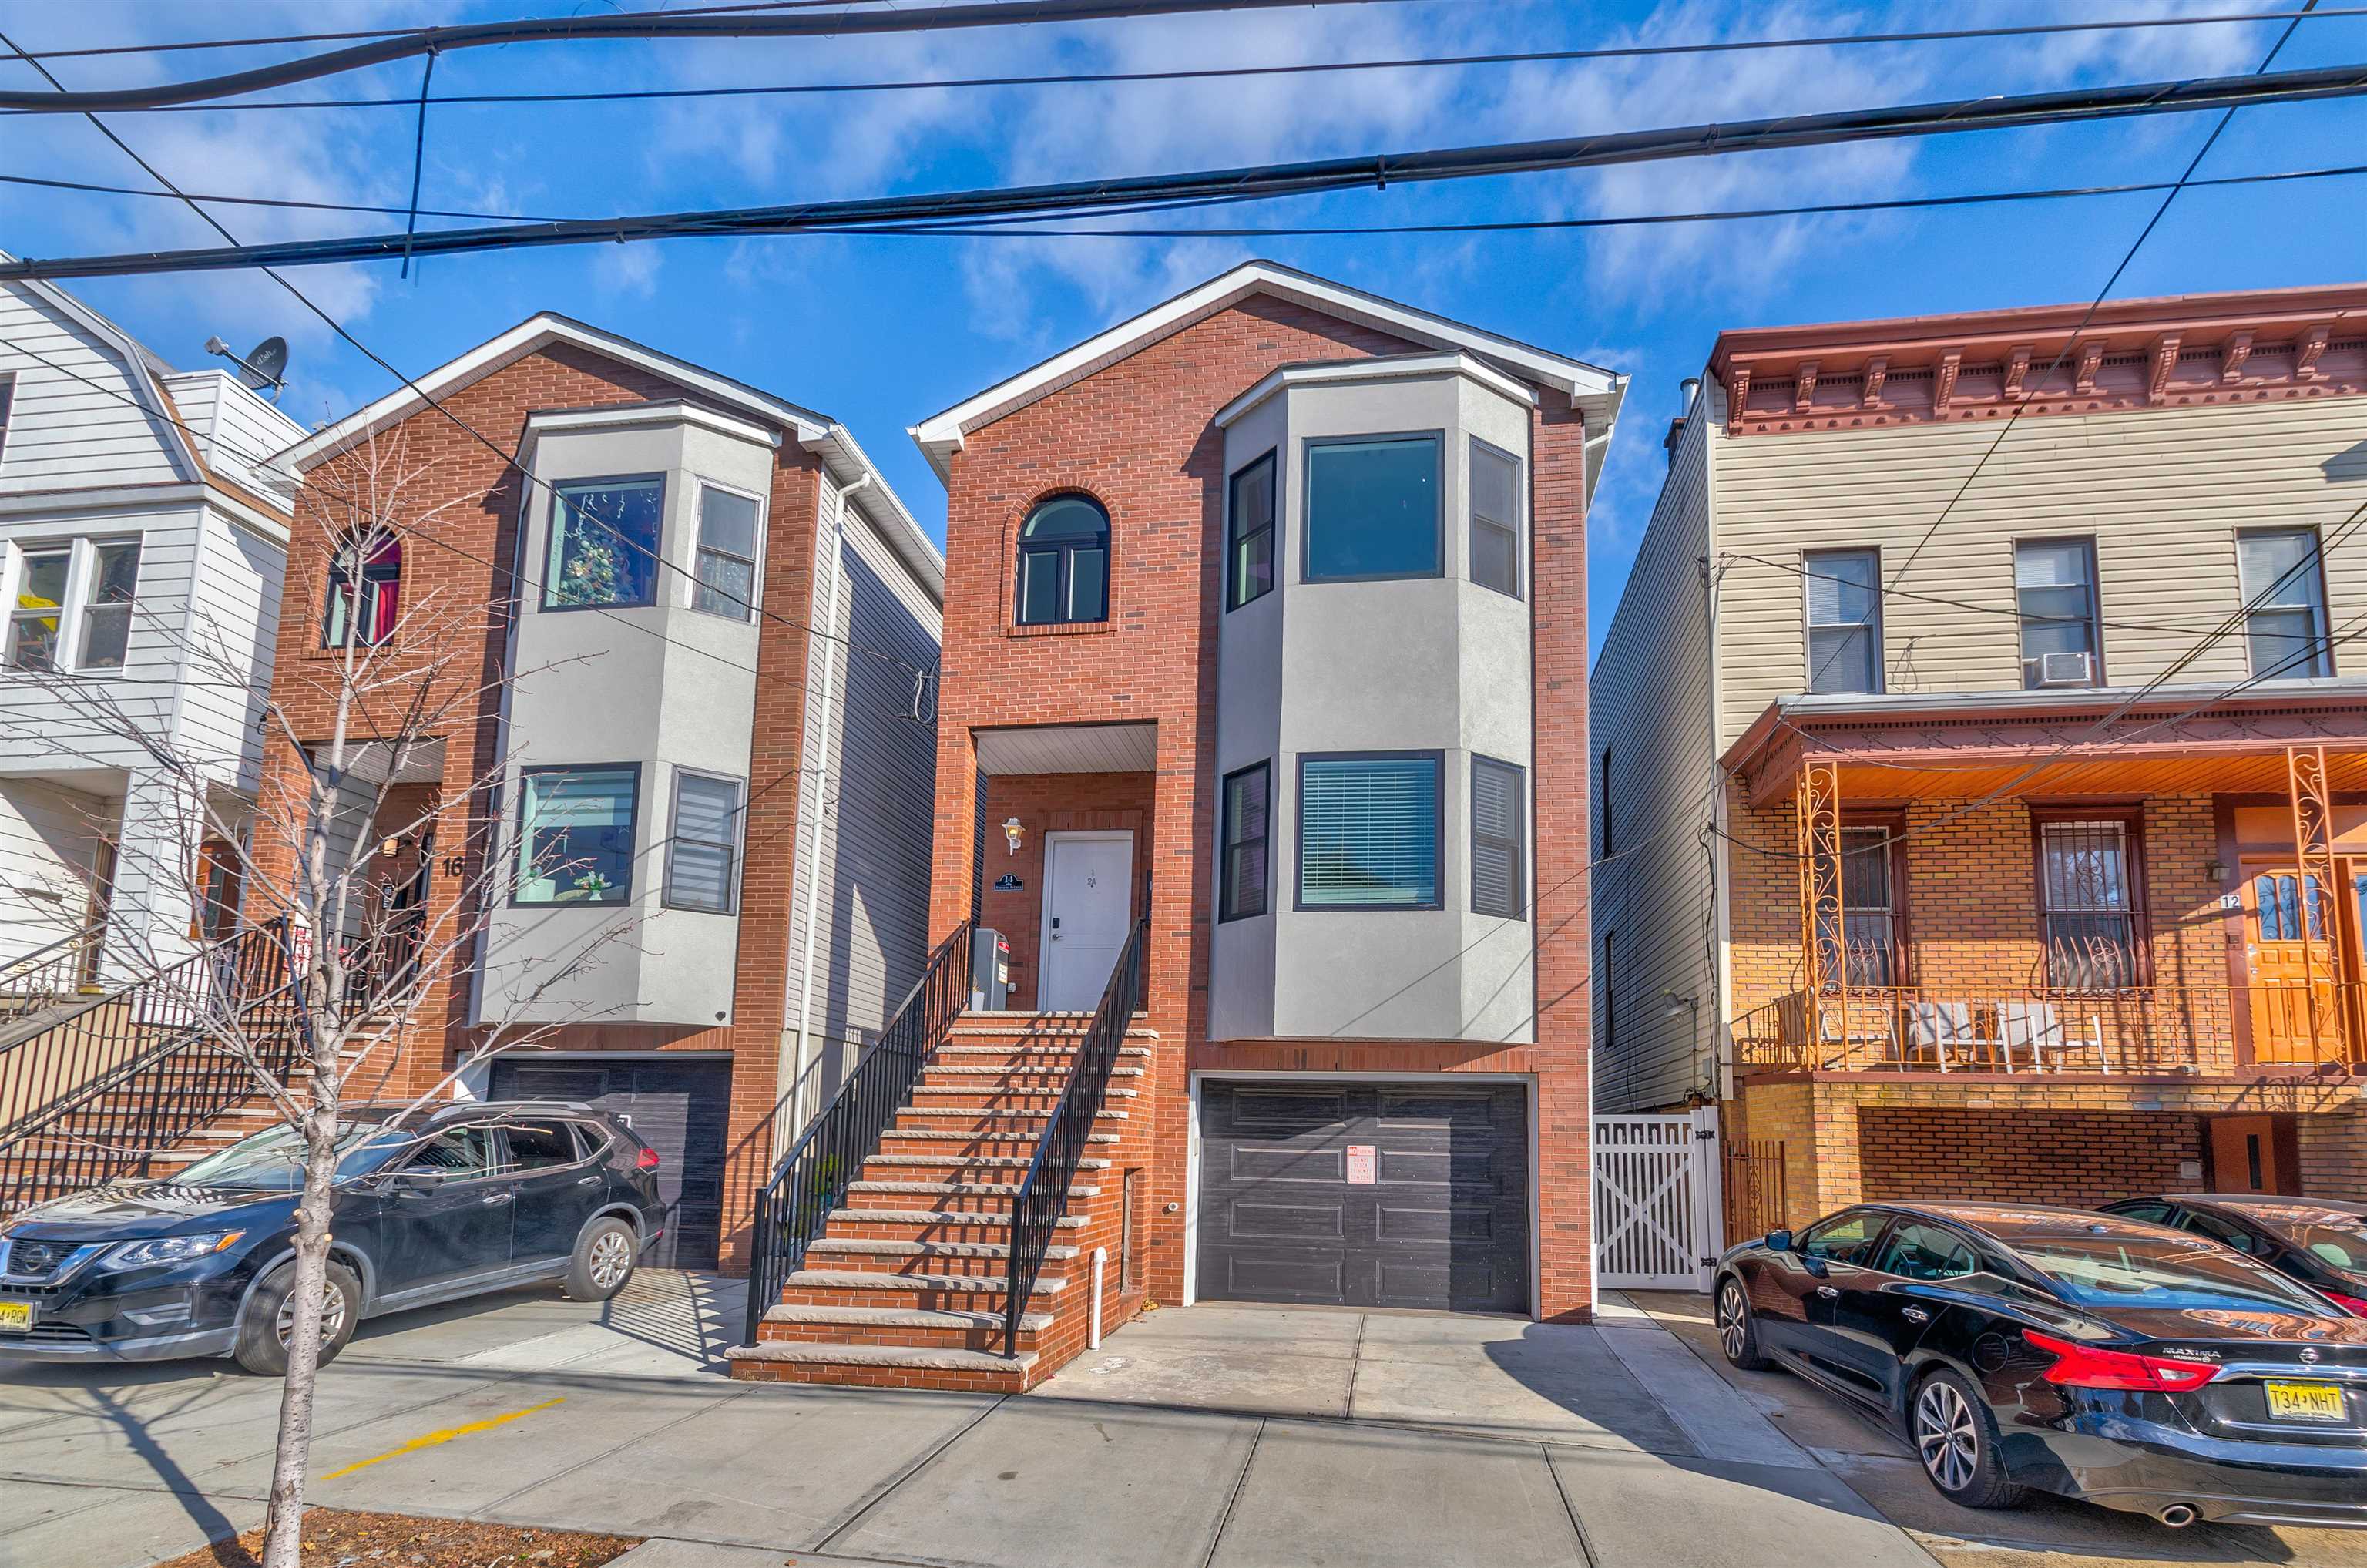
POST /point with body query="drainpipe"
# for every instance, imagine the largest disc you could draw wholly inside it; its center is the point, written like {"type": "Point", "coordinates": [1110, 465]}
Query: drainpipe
{"type": "Point", "coordinates": [1093, 1330]}
{"type": "Point", "coordinates": [828, 619]}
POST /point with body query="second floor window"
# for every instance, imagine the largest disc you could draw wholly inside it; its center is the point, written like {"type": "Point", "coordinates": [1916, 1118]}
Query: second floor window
{"type": "Point", "coordinates": [1844, 619]}
{"type": "Point", "coordinates": [1500, 855]}
{"type": "Point", "coordinates": [365, 597]}
{"type": "Point", "coordinates": [2054, 592]}
{"type": "Point", "coordinates": [575, 834]}
{"type": "Point", "coordinates": [1368, 831]}
{"type": "Point", "coordinates": [2087, 905]}
{"type": "Point", "coordinates": [1495, 519]}
{"type": "Point", "coordinates": [40, 610]}
{"type": "Point", "coordinates": [1243, 891]}
{"type": "Point", "coordinates": [107, 605]}
{"type": "Point", "coordinates": [1868, 938]}
{"type": "Point", "coordinates": [1249, 560]}
{"type": "Point", "coordinates": [1064, 553]}
{"type": "Point", "coordinates": [1372, 508]}
{"type": "Point", "coordinates": [2284, 600]}
{"type": "Point", "coordinates": [603, 542]}
{"type": "Point", "coordinates": [702, 870]}
{"type": "Point", "coordinates": [726, 555]}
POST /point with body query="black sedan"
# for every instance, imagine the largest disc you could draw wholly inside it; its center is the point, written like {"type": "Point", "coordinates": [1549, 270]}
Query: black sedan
{"type": "Point", "coordinates": [2320, 1242]}
{"type": "Point", "coordinates": [430, 1206]}
{"type": "Point", "coordinates": [2138, 1366]}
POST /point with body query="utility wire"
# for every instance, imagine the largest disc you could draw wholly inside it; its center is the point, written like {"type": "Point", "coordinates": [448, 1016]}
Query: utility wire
{"type": "Point", "coordinates": [630, 25]}
{"type": "Point", "coordinates": [1324, 67]}
{"type": "Point", "coordinates": [1272, 179]}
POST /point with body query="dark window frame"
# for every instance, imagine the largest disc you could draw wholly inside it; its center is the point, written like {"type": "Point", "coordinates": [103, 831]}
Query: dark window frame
{"type": "Point", "coordinates": [1517, 527]}
{"type": "Point", "coordinates": [1271, 458]}
{"type": "Point", "coordinates": [666, 899]}
{"type": "Point", "coordinates": [2095, 608]}
{"type": "Point", "coordinates": [343, 581]}
{"type": "Point", "coordinates": [2322, 633]}
{"type": "Point", "coordinates": [1437, 760]}
{"type": "Point", "coordinates": [1603, 849]}
{"type": "Point", "coordinates": [518, 831]}
{"type": "Point", "coordinates": [557, 487]}
{"type": "Point", "coordinates": [1225, 847]}
{"type": "Point", "coordinates": [2131, 820]}
{"type": "Point", "coordinates": [1893, 825]}
{"type": "Point", "coordinates": [700, 549]}
{"type": "Point", "coordinates": [1307, 447]}
{"type": "Point", "coordinates": [1810, 625]}
{"type": "Point", "coordinates": [1518, 845]}
{"type": "Point", "coordinates": [1064, 551]}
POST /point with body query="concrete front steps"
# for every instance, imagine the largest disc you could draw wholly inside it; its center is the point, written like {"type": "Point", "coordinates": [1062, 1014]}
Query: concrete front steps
{"type": "Point", "coordinates": [906, 1284]}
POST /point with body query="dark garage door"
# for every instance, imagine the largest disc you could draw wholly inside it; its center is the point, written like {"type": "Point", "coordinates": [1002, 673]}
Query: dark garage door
{"type": "Point", "coordinates": [676, 1108]}
{"type": "Point", "coordinates": [1442, 1224]}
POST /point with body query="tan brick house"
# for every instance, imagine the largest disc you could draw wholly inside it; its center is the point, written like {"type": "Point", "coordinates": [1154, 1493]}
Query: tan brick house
{"type": "Point", "coordinates": [1264, 666]}
{"type": "Point", "coordinates": [706, 623]}
{"type": "Point", "coordinates": [1994, 824]}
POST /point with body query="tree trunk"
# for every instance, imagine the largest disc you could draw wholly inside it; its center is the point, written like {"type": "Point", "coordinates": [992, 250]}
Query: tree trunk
{"type": "Point", "coordinates": [283, 1548]}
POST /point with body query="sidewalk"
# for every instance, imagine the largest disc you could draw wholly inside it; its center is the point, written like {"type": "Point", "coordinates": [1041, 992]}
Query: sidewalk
{"type": "Point", "coordinates": [1491, 1442]}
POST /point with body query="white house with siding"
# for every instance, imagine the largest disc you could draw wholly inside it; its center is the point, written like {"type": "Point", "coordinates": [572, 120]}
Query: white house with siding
{"type": "Point", "coordinates": [142, 541]}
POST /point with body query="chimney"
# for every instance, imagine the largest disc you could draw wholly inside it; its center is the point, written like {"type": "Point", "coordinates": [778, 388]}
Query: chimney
{"type": "Point", "coordinates": [1688, 392]}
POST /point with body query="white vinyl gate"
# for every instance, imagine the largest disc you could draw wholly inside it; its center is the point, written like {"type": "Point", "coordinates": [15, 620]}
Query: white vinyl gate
{"type": "Point", "coordinates": [1657, 1217]}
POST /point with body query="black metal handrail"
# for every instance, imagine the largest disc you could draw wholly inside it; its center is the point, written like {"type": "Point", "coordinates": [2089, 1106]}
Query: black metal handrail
{"type": "Point", "coordinates": [812, 1179]}
{"type": "Point", "coordinates": [106, 1091]}
{"type": "Point", "coordinates": [1043, 1196]}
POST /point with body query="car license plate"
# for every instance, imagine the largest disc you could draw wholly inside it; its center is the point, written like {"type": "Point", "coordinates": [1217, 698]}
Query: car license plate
{"type": "Point", "coordinates": [2305, 1402]}
{"type": "Point", "coordinates": [16, 1317]}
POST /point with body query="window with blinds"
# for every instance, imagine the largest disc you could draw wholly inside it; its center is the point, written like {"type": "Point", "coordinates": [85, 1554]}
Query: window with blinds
{"type": "Point", "coordinates": [1368, 831]}
{"type": "Point", "coordinates": [1498, 839]}
{"type": "Point", "coordinates": [2085, 905]}
{"type": "Point", "coordinates": [702, 869]}
{"type": "Point", "coordinates": [1241, 892]}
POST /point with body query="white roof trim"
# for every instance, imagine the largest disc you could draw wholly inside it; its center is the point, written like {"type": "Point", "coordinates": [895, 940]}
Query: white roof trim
{"type": "Point", "coordinates": [1595, 390]}
{"type": "Point", "coordinates": [533, 332]}
{"type": "Point", "coordinates": [846, 461]}
{"type": "Point", "coordinates": [628, 416]}
{"type": "Point", "coordinates": [1392, 367]}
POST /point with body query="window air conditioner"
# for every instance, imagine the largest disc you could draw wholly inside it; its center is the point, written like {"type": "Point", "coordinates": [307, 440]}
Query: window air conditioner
{"type": "Point", "coordinates": [2061, 669]}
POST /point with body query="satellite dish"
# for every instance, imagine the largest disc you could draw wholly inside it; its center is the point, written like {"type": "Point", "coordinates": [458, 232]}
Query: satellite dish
{"type": "Point", "coordinates": [265, 364]}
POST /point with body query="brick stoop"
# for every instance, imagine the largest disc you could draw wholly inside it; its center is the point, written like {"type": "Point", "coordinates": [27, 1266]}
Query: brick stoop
{"type": "Point", "coordinates": [905, 1287]}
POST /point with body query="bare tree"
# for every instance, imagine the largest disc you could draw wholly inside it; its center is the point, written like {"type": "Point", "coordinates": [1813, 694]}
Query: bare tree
{"type": "Point", "coordinates": [342, 951]}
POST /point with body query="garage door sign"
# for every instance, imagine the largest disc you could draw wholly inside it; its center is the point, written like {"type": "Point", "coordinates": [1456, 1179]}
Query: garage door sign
{"type": "Point", "coordinates": [1364, 1165]}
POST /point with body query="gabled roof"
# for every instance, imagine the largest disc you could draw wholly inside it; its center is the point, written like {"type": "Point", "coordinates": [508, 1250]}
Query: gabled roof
{"type": "Point", "coordinates": [818, 433]}
{"type": "Point", "coordinates": [1596, 391]}
{"type": "Point", "coordinates": [142, 367]}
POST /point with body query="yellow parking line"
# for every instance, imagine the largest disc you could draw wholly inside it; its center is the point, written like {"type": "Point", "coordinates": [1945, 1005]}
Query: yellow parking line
{"type": "Point", "coordinates": [433, 1439]}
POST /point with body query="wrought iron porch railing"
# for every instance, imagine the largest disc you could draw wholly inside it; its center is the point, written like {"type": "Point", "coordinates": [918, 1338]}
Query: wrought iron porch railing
{"type": "Point", "coordinates": [2015, 1029]}
{"type": "Point", "coordinates": [106, 1091]}
{"type": "Point", "coordinates": [50, 976]}
{"type": "Point", "coordinates": [812, 1179]}
{"type": "Point", "coordinates": [1043, 1196]}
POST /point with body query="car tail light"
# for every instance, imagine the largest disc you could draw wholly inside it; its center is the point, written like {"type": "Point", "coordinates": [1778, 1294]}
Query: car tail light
{"type": "Point", "coordinates": [2088, 1367]}
{"type": "Point", "coordinates": [647, 1160]}
{"type": "Point", "coordinates": [2351, 1304]}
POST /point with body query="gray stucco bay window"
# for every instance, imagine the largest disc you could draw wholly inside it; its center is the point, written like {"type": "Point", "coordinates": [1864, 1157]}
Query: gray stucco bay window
{"type": "Point", "coordinates": [1495, 518]}
{"type": "Point", "coordinates": [1247, 820]}
{"type": "Point", "coordinates": [702, 869]}
{"type": "Point", "coordinates": [1373, 509]}
{"type": "Point", "coordinates": [1368, 830]}
{"type": "Point", "coordinates": [575, 833]}
{"type": "Point", "coordinates": [603, 542]}
{"type": "Point", "coordinates": [1500, 831]}
{"type": "Point", "coordinates": [1249, 561]}
{"type": "Point", "coordinates": [727, 553]}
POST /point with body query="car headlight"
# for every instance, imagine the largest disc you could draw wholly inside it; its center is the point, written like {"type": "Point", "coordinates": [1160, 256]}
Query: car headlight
{"type": "Point", "coordinates": [167, 1249]}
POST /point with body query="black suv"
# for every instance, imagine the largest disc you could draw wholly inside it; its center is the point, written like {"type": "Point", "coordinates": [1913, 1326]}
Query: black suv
{"type": "Point", "coordinates": [431, 1204]}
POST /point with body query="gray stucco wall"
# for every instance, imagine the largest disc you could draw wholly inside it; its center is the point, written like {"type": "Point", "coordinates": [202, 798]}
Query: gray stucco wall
{"type": "Point", "coordinates": [1419, 664]}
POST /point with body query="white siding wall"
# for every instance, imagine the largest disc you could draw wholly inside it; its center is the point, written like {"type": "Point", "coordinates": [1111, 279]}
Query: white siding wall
{"type": "Point", "coordinates": [2163, 491]}
{"type": "Point", "coordinates": [233, 629]}
{"type": "Point", "coordinates": [235, 429]}
{"type": "Point", "coordinates": [1651, 705]}
{"type": "Point", "coordinates": [75, 418]}
{"type": "Point", "coordinates": [48, 839]}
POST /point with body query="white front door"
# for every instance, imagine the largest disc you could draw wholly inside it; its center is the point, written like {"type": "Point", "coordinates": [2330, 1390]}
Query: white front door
{"type": "Point", "coordinates": [1088, 907]}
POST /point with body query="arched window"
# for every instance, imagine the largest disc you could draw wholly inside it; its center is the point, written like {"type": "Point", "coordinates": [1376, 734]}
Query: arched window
{"type": "Point", "coordinates": [1064, 563]}
{"type": "Point", "coordinates": [365, 595]}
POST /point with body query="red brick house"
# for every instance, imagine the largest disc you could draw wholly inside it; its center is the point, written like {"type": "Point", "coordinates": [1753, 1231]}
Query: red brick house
{"type": "Point", "coordinates": [1265, 662]}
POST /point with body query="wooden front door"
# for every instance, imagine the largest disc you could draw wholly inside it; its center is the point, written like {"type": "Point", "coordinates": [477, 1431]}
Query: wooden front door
{"type": "Point", "coordinates": [2293, 1018]}
{"type": "Point", "coordinates": [2244, 1154]}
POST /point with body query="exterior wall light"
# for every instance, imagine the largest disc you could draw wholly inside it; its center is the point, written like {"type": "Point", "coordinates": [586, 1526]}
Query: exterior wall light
{"type": "Point", "coordinates": [1013, 833]}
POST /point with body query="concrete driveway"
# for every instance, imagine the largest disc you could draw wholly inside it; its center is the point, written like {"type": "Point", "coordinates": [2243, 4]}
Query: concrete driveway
{"type": "Point", "coordinates": [1227, 1439]}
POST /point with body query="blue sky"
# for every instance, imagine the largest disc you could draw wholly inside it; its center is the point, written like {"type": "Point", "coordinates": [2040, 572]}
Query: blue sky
{"type": "Point", "coordinates": [880, 332]}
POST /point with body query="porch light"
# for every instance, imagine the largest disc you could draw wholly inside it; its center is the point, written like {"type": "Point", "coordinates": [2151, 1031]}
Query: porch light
{"type": "Point", "coordinates": [2216, 871]}
{"type": "Point", "coordinates": [1013, 833]}
{"type": "Point", "coordinates": [391, 848]}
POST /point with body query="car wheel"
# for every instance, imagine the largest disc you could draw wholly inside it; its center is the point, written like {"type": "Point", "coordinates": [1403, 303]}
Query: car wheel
{"type": "Point", "coordinates": [1956, 1437]}
{"type": "Point", "coordinates": [271, 1318]}
{"type": "Point", "coordinates": [604, 1256]}
{"type": "Point", "coordinates": [1738, 1336]}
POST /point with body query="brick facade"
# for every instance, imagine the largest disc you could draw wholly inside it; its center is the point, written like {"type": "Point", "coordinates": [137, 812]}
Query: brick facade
{"type": "Point", "coordinates": [458, 513]}
{"type": "Point", "coordinates": [1044, 803]}
{"type": "Point", "coordinates": [1138, 435]}
{"type": "Point", "coordinates": [2079, 1158]}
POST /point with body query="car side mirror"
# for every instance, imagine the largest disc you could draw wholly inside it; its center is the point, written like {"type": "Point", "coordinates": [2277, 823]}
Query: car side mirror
{"type": "Point", "coordinates": [417, 1183]}
{"type": "Point", "coordinates": [1779, 1240]}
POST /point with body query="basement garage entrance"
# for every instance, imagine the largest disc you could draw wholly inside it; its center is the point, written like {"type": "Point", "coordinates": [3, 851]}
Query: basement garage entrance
{"type": "Point", "coordinates": [1364, 1195]}
{"type": "Point", "coordinates": [676, 1108]}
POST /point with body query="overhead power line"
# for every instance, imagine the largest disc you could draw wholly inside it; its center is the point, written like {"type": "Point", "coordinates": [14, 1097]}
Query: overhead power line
{"type": "Point", "coordinates": [643, 24]}
{"type": "Point", "coordinates": [1264, 180]}
{"type": "Point", "coordinates": [1324, 67]}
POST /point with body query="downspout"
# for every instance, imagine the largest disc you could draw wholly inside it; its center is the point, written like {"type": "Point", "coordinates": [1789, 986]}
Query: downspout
{"type": "Point", "coordinates": [828, 630]}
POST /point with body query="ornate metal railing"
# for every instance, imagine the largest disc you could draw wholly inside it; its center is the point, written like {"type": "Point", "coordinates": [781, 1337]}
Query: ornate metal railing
{"type": "Point", "coordinates": [108, 1090]}
{"type": "Point", "coordinates": [2019, 1030]}
{"type": "Point", "coordinates": [49, 977]}
{"type": "Point", "coordinates": [812, 1178]}
{"type": "Point", "coordinates": [1043, 1196]}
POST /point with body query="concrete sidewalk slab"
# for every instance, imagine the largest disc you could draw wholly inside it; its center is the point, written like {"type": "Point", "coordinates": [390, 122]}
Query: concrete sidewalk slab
{"type": "Point", "coordinates": [1539, 1381]}
{"type": "Point", "coordinates": [661, 1553]}
{"type": "Point", "coordinates": [1345, 1494]}
{"type": "Point", "coordinates": [1713, 1414]}
{"type": "Point", "coordinates": [115, 1528]}
{"type": "Point", "coordinates": [1661, 1511]}
{"type": "Point", "coordinates": [780, 1468]}
{"type": "Point", "coordinates": [1056, 1483]}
